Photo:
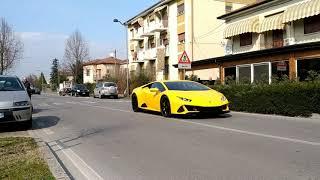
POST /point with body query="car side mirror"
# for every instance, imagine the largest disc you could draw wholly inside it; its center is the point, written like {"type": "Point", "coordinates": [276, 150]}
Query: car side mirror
{"type": "Point", "coordinates": [154, 90]}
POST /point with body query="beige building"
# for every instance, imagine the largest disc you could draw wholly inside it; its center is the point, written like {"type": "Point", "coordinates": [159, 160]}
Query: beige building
{"type": "Point", "coordinates": [271, 39]}
{"type": "Point", "coordinates": [96, 70]}
{"type": "Point", "coordinates": [159, 35]}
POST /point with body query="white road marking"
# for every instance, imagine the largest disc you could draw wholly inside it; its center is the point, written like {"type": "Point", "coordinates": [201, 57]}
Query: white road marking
{"type": "Point", "coordinates": [90, 102]}
{"type": "Point", "coordinates": [226, 129]}
{"type": "Point", "coordinates": [43, 105]}
{"type": "Point", "coordinates": [58, 104]}
{"type": "Point", "coordinates": [48, 131]}
{"type": "Point", "coordinates": [79, 163]}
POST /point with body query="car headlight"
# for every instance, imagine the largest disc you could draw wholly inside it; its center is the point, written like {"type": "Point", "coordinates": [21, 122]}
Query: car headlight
{"type": "Point", "coordinates": [223, 98]}
{"type": "Point", "coordinates": [185, 99]}
{"type": "Point", "coordinates": [22, 103]}
{"type": "Point", "coordinates": [78, 90]}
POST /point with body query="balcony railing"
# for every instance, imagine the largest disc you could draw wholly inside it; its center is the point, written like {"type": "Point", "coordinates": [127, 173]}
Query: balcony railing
{"type": "Point", "coordinates": [150, 54]}
{"type": "Point", "coordinates": [158, 26]}
{"type": "Point", "coordinates": [137, 35]}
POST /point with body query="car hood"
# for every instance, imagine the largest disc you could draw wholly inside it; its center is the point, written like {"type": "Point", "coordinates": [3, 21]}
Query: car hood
{"type": "Point", "coordinates": [8, 97]}
{"type": "Point", "coordinates": [203, 98]}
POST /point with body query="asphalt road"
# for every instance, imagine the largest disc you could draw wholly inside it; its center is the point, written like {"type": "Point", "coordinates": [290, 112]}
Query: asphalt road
{"type": "Point", "coordinates": [104, 139]}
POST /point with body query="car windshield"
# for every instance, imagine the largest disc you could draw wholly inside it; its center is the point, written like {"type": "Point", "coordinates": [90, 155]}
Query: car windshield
{"type": "Point", "coordinates": [109, 85]}
{"type": "Point", "coordinates": [186, 86]}
{"type": "Point", "coordinates": [10, 84]}
{"type": "Point", "coordinates": [81, 87]}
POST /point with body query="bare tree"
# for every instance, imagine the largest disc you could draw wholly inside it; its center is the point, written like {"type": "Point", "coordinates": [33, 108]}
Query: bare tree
{"type": "Point", "coordinates": [76, 52]}
{"type": "Point", "coordinates": [11, 48]}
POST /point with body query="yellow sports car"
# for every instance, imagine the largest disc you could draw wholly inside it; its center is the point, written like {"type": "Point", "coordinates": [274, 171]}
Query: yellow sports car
{"type": "Point", "coordinates": [178, 98]}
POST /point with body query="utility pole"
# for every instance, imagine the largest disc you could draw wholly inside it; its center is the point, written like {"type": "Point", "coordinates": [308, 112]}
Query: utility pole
{"type": "Point", "coordinates": [115, 63]}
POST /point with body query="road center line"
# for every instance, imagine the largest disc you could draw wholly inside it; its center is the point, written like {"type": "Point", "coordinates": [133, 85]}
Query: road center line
{"type": "Point", "coordinates": [225, 129]}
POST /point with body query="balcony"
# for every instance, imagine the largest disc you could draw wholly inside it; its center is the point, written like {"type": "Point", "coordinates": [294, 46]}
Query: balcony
{"type": "Point", "coordinates": [137, 35]}
{"type": "Point", "coordinates": [150, 54]}
{"type": "Point", "coordinates": [146, 32]}
{"type": "Point", "coordinates": [158, 26]}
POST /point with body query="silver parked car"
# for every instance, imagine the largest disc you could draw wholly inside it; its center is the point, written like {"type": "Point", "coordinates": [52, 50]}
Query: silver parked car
{"type": "Point", "coordinates": [15, 104]}
{"type": "Point", "coordinates": [106, 89]}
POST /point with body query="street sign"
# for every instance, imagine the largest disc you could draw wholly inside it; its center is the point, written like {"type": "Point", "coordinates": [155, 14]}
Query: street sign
{"type": "Point", "coordinates": [281, 66]}
{"type": "Point", "coordinates": [184, 61]}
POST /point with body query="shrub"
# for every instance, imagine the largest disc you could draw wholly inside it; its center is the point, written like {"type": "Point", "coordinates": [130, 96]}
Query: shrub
{"type": "Point", "coordinates": [139, 79]}
{"type": "Point", "coordinates": [90, 87]}
{"type": "Point", "coordinates": [286, 98]}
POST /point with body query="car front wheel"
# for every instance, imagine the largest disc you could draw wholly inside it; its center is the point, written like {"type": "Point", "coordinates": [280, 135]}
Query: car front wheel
{"type": "Point", "coordinates": [165, 107]}
{"type": "Point", "coordinates": [134, 103]}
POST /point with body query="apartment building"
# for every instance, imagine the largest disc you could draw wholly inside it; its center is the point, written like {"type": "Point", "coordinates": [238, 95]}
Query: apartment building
{"type": "Point", "coordinates": [271, 39]}
{"type": "Point", "coordinates": [96, 70]}
{"type": "Point", "coordinates": [160, 34]}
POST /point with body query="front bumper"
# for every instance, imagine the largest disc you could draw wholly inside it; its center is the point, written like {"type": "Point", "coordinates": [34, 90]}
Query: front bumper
{"type": "Point", "coordinates": [190, 109]}
{"type": "Point", "coordinates": [82, 93]}
{"type": "Point", "coordinates": [15, 114]}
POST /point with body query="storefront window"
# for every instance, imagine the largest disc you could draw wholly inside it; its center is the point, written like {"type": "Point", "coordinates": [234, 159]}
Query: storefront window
{"type": "Point", "coordinates": [230, 74]}
{"type": "Point", "coordinates": [308, 69]}
{"type": "Point", "coordinates": [244, 74]}
{"type": "Point", "coordinates": [261, 73]}
{"type": "Point", "coordinates": [280, 70]}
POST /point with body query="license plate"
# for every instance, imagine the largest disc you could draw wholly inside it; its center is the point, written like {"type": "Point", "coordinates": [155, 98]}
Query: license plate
{"type": "Point", "coordinates": [1, 115]}
{"type": "Point", "coordinates": [83, 93]}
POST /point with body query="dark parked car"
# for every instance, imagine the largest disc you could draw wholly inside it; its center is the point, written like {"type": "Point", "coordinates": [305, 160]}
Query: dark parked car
{"type": "Point", "coordinates": [36, 91]}
{"type": "Point", "coordinates": [79, 90]}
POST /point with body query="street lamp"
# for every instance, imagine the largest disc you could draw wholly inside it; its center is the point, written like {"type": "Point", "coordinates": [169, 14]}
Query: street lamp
{"type": "Point", "coordinates": [125, 28]}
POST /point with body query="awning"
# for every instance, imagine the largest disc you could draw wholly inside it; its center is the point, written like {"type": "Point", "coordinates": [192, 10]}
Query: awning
{"type": "Point", "coordinates": [272, 23]}
{"type": "Point", "coordinates": [160, 8]}
{"type": "Point", "coordinates": [302, 10]}
{"type": "Point", "coordinates": [241, 27]}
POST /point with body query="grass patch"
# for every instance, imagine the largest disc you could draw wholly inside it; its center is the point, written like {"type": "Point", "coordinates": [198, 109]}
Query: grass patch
{"type": "Point", "coordinates": [20, 159]}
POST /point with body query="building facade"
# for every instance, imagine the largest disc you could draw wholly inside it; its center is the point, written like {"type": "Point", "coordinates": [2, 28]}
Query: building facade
{"type": "Point", "coordinates": [271, 39]}
{"type": "Point", "coordinates": [158, 36]}
{"type": "Point", "coordinates": [96, 70]}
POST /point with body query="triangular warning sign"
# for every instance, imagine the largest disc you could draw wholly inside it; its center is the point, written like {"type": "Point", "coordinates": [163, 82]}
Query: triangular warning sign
{"type": "Point", "coordinates": [184, 59]}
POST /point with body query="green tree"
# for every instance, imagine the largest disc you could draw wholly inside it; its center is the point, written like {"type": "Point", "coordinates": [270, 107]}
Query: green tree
{"type": "Point", "coordinates": [41, 81]}
{"type": "Point", "coordinates": [54, 74]}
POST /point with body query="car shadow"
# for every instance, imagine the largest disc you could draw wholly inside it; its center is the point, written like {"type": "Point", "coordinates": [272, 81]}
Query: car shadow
{"type": "Point", "coordinates": [192, 116]}
{"type": "Point", "coordinates": [42, 122]}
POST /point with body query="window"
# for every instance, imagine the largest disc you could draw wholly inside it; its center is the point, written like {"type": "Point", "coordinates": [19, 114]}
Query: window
{"type": "Point", "coordinates": [141, 44]}
{"type": "Point", "coordinates": [158, 86]}
{"type": "Point", "coordinates": [244, 74]}
{"type": "Point", "coordinates": [88, 72]}
{"type": "Point", "coordinates": [312, 24]}
{"type": "Point", "coordinates": [180, 9]}
{"type": "Point", "coordinates": [277, 36]}
{"type": "Point", "coordinates": [99, 73]}
{"type": "Point", "coordinates": [307, 69]}
{"type": "Point", "coordinates": [245, 39]}
{"type": "Point", "coordinates": [151, 42]}
{"type": "Point", "coordinates": [181, 37]}
{"type": "Point", "coordinates": [228, 7]}
{"type": "Point", "coordinates": [230, 74]}
{"type": "Point", "coordinates": [280, 70]}
{"type": "Point", "coordinates": [261, 73]}
{"type": "Point", "coordinates": [108, 71]}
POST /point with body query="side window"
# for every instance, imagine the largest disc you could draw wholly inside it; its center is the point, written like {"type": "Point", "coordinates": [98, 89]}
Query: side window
{"type": "Point", "coordinates": [158, 86]}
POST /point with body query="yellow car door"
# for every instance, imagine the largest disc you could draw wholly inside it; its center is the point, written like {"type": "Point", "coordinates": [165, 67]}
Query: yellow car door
{"type": "Point", "coordinates": [154, 97]}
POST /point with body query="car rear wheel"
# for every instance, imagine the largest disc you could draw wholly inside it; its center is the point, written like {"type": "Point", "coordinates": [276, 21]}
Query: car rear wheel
{"type": "Point", "coordinates": [165, 107]}
{"type": "Point", "coordinates": [134, 103]}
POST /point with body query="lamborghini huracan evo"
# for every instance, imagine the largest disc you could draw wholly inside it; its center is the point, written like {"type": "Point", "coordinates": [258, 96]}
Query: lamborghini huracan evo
{"type": "Point", "coordinates": [178, 98]}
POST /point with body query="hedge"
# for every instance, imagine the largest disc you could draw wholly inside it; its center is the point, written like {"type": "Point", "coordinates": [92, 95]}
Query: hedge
{"type": "Point", "coordinates": [288, 98]}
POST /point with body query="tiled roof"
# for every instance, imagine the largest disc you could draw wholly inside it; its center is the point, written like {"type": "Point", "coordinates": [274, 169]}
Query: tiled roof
{"type": "Point", "coordinates": [109, 60]}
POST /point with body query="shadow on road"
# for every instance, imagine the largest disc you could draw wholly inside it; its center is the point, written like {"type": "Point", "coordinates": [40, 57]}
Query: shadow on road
{"type": "Point", "coordinates": [193, 116]}
{"type": "Point", "coordinates": [42, 122]}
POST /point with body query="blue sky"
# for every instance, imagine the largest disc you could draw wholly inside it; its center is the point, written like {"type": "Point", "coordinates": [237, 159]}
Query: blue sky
{"type": "Point", "coordinates": [44, 25]}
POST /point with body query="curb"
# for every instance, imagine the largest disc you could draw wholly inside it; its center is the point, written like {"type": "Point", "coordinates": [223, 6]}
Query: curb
{"type": "Point", "coordinates": [56, 166]}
